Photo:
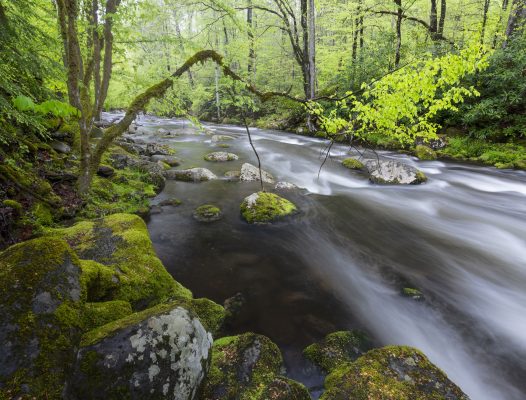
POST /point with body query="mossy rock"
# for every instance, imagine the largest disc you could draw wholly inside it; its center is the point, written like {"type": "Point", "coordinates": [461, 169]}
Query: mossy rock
{"type": "Point", "coordinates": [392, 372]}
{"type": "Point", "coordinates": [208, 213]}
{"type": "Point", "coordinates": [126, 267]}
{"type": "Point", "coordinates": [352, 163]}
{"type": "Point", "coordinates": [282, 388]}
{"type": "Point", "coordinates": [159, 353]}
{"type": "Point", "coordinates": [242, 367]}
{"type": "Point", "coordinates": [337, 348]}
{"type": "Point", "coordinates": [264, 207]}
{"type": "Point", "coordinates": [412, 293]}
{"type": "Point", "coordinates": [220, 156]}
{"type": "Point", "coordinates": [425, 153]}
{"type": "Point", "coordinates": [41, 297]}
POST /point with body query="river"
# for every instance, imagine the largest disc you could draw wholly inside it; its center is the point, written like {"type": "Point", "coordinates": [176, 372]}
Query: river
{"type": "Point", "coordinates": [342, 262]}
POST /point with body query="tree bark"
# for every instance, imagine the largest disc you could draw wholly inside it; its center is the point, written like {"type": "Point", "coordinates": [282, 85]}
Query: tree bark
{"type": "Point", "coordinates": [433, 20]}
{"type": "Point", "coordinates": [399, 16]}
{"type": "Point", "coordinates": [516, 20]}
{"type": "Point", "coordinates": [442, 20]}
{"type": "Point", "coordinates": [250, 32]}
{"type": "Point", "coordinates": [484, 21]}
{"type": "Point", "coordinates": [181, 45]}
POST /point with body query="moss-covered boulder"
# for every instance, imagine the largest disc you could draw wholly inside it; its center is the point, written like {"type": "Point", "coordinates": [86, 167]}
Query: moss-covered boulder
{"type": "Point", "coordinates": [392, 372]}
{"type": "Point", "coordinates": [247, 367]}
{"type": "Point", "coordinates": [264, 207]}
{"type": "Point", "coordinates": [221, 156]}
{"type": "Point", "coordinates": [125, 266]}
{"type": "Point", "coordinates": [425, 153]}
{"type": "Point", "coordinates": [337, 348]}
{"type": "Point", "coordinates": [208, 213]}
{"type": "Point", "coordinates": [41, 296]}
{"type": "Point", "coordinates": [159, 353]}
{"type": "Point", "coordinates": [394, 173]}
{"type": "Point", "coordinates": [353, 163]}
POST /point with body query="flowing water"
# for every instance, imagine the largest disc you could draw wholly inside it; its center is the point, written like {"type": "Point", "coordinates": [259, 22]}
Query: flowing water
{"type": "Point", "coordinates": [342, 262]}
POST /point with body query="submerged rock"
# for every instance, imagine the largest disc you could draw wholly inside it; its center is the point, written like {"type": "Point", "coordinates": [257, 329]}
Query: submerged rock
{"type": "Point", "coordinates": [285, 186]}
{"type": "Point", "coordinates": [337, 348]}
{"type": "Point", "coordinates": [266, 207]}
{"type": "Point", "coordinates": [353, 163]}
{"type": "Point", "coordinates": [159, 353]}
{"type": "Point", "coordinates": [247, 367]}
{"type": "Point", "coordinates": [221, 156]}
{"type": "Point", "coordinates": [392, 372]}
{"type": "Point", "coordinates": [220, 138]}
{"type": "Point", "coordinates": [425, 153]}
{"type": "Point", "coordinates": [250, 173]}
{"type": "Point", "coordinates": [232, 175]}
{"type": "Point", "coordinates": [190, 175]}
{"type": "Point", "coordinates": [172, 161]}
{"type": "Point", "coordinates": [208, 213]}
{"type": "Point", "coordinates": [413, 293]}
{"type": "Point", "coordinates": [394, 172]}
{"type": "Point", "coordinates": [170, 202]}
{"type": "Point", "coordinates": [40, 308]}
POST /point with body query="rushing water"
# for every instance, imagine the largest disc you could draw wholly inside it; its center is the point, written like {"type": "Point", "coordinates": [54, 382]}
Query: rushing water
{"type": "Point", "coordinates": [341, 263]}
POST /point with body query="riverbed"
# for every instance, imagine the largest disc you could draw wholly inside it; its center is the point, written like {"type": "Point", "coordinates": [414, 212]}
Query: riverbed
{"type": "Point", "coordinates": [342, 262]}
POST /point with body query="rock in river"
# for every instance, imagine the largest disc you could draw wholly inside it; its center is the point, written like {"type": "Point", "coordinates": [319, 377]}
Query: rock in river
{"type": "Point", "coordinates": [220, 138]}
{"type": "Point", "coordinates": [221, 156]}
{"type": "Point", "coordinates": [208, 213]}
{"type": "Point", "coordinates": [250, 173]}
{"type": "Point", "coordinates": [265, 207]}
{"type": "Point", "coordinates": [172, 161]}
{"type": "Point", "coordinates": [394, 172]}
{"type": "Point", "coordinates": [190, 175]}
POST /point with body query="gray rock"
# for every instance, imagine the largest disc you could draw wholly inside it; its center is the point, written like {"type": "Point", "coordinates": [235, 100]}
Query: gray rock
{"type": "Point", "coordinates": [170, 160]}
{"type": "Point", "coordinates": [250, 173]}
{"type": "Point", "coordinates": [155, 171]}
{"type": "Point", "coordinates": [162, 131]}
{"type": "Point", "coordinates": [221, 156]}
{"type": "Point", "coordinates": [60, 147]}
{"type": "Point", "coordinates": [221, 138]}
{"type": "Point", "coordinates": [165, 354]}
{"type": "Point", "coordinates": [285, 186]}
{"type": "Point", "coordinates": [132, 147]}
{"type": "Point", "coordinates": [153, 149]}
{"type": "Point", "coordinates": [393, 172]}
{"type": "Point", "coordinates": [105, 171]}
{"type": "Point", "coordinates": [190, 175]}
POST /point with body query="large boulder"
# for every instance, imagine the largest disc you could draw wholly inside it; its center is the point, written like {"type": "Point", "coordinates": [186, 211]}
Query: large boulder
{"type": "Point", "coordinates": [337, 348]}
{"type": "Point", "coordinates": [60, 147]}
{"type": "Point", "coordinates": [262, 207]}
{"type": "Point", "coordinates": [162, 352]}
{"type": "Point", "coordinates": [250, 173]}
{"type": "Point", "coordinates": [190, 175]}
{"type": "Point", "coordinates": [392, 372]}
{"type": "Point", "coordinates": [40, 300]}
{"type": "Point", "coordinates": [394, 172]}
{"type": "Point", "coordinates": [221, 156]}
{"type": "Point", "coordinates": [247, 367]}
{"type": "Point", "coordinates": [123, 264]}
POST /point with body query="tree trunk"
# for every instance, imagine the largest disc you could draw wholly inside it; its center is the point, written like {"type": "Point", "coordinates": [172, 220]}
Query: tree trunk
{"type": "Point", "coordinates": [399, 16]}
{"type": "Point", "coordinates": [181, 45]}
{"type": "Point", "coordinates": [251, 51]}
{"type": "Point", "coordinates": [516, 20]}
{"type": "Point", "coordinates": [433, 20]}
{"type": "Point", "coordinates": [502, 11]}
{"type": "Point", "coordinates": [484, 21]}
{"type": "Point", "coordinates": [442, 20]}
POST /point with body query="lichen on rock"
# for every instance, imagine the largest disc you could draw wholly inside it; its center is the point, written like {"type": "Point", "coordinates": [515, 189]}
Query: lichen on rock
{"type": "Point", "coordinates": [265, 207]}
{"type": "Point", "coordinates": [221, 156]}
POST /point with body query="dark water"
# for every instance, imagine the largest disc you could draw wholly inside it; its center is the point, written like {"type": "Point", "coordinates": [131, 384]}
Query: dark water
{"type": "Point", "coordinates": [341, 263]}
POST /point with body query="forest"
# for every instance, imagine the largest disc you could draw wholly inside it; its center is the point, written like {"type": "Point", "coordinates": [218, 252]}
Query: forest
{"type": "Point", "coordinates": [262, 199]}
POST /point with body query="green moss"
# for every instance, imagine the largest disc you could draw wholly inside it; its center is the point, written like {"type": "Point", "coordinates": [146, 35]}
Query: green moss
{"type": "Point", "coordinates": [121, 242]}
{"type": "Point", "coordinates": [420, 177]}
{"type": "Point", "coordinates": [425, 152]}
{"type": "Point", "coordinates": [223, 145]}
{"type": "Point", "coordinates": [15, 205]}
{"type": "Point", "coordinates": [210, 313]}
{"type": "Point", "coordinates": [392, 372]}
{"type": "Point", "coordinates": [337, 348]}
{"type": "Point", "coordinates": [99, 314]}
{"type": "Point", "coordinates": [42, 215]}
{"type": "Point", "coordinates": [266, 207]}
{"type": "Point", "coordinates": [411, 292]}
{"type": "Point", "coordinates": [352, 163]}
{"type": "Point", "coordinates": [207, 213]}
{"type": "Point", "coordinates": [282, 388]}
{"type": "Point", "coordinates": [242, 367]}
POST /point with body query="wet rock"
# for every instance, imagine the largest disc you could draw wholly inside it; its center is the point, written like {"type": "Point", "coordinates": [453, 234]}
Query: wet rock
{"type": "Point", "coordinates": [250, 173]}
{"type": "Point", "coordinates": [247, 367]}
{"type": "Point", "coordinates": [232, 175]}
{"type": "Point", "coordinates": [40, 306]}
{"type": "Point", "coordinates": [153, 149]}
{"type": "Point", "coordinates": [413, 293]}
{"type": "Point", "coordinates": [394, 172]}
{"type": "Point", "coordinates": [337, 348]}
{"type": "Point", "coordinates": [60, 147]}
{"type": "Point", "coordinates": [233, 305]}
{"type": "Point", "coordinates": [155, 210]}
{"type": "Point", "coordinates": [105, 171]}
{"type": "Point", "coordinates": [220, 138]}
{"type": "Point", "coordinates": [170, 160]}
{"type": "Point", "coordinates": [162, 131]}
{"type": "Point", "coordinates": [425, 153]}
{"type": "Point", "coordinates": [132, 148]}
{"type": "Point", "coordinates": [170, 202]}
{"type": "Point", "coordinates": [221, 156]}
{"type": "Point", "coordinates": [353, 163]}
{"type": "Point", "coordinates": [190, 175]}
{"type": "Point", "coordinates": [159, 353]}
{"type": "Point", "coordinates": [262, 207]}
{"type": "Point", "coordinates": [394, 372]}
{"type": "Point", "coordinates": [207, 213]}
{"type": "Point", "coordinates": [285, 186]}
